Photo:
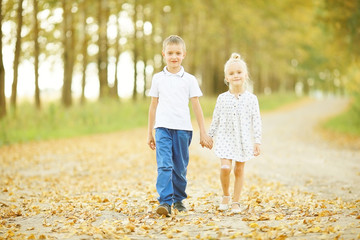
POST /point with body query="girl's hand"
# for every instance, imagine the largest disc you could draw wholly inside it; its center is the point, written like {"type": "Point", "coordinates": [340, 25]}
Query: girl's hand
{"type": "Point", "coordinates": [151, 142]}
{"type": "Point", "coordinates": [206, 141]}
{"type": "Point", "coordinates": [256, 149]}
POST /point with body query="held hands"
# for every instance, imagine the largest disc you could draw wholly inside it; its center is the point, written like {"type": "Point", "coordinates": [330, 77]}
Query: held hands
{"type": "Point", "coordinates": [206, 141]}
{"type": "Point", "coordinates": [256, 149]}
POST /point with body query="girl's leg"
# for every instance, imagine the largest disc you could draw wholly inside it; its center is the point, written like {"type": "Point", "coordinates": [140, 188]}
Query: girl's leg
{"type": "Point", "coordinates": [225, 171]}
{"type": "Point", "coordinates": [239, 181]}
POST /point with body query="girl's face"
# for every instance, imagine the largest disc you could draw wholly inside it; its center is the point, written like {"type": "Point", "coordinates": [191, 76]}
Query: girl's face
{"type": "Point", "coordinates": [235, 75]}
{"type": "Point", "coordinates": [173, 55]}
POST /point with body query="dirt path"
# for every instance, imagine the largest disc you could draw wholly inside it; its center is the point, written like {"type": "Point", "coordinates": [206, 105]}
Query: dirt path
{"type": "Point", "coordinates": [302, 187]}
{"type": "Point", "coordinates": [295, 154]}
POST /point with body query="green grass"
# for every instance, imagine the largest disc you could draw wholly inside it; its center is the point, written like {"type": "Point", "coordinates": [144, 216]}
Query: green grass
{"type": "Point", "coordinates": [55, 121]}
{"type": "Point", "coordinates": [347, 122]}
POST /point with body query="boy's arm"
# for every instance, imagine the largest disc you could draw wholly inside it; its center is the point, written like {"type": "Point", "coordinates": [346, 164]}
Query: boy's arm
{"type": "Point", "coordinates": [151, 122]}
{"type": "Point", "coordinates": [205, 140]}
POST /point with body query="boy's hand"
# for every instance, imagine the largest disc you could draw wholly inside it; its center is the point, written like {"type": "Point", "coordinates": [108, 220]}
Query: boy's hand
{"type": "Point", "coordinates": [151, 142]}
{"type": "Point", "coordinates": [256, 149]}
{"type": "Point", "coordinates": [206, 141]}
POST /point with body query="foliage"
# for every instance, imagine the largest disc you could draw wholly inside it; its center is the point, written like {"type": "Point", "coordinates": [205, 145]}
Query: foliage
{"type": "Point", "coordinates": [269, 35]}
{"type": "Point", "coordinates": [347, 123]}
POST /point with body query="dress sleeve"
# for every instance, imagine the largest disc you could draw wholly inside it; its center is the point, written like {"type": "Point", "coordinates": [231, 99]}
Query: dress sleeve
{"type": "Point", "coordinates": [256, 120]}
{"type": "Point", "coordinates": [215, 119]}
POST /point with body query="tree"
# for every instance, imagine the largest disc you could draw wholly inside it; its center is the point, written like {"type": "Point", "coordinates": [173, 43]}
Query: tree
{"type": "Point", "coordinates": [2, 71]}
{"type": "Point", "coordinates": [84, 50]}
{"type": "Point", "coordinates": [68, 55]}
{"type": "Point", "coordinates": [103, 48]}
{"type": "Point", "coordinates": [343, 18]}
{"type": "Point", "coordinates": [17, 53]}
{"type": "Point", "coordinates": [36, 55]}
{"type": "Point", "coordinates": [135, 49]}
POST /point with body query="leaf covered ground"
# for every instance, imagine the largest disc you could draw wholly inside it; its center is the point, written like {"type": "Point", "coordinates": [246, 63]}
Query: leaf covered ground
{"type": "Point", "coordinates": [103, 187]}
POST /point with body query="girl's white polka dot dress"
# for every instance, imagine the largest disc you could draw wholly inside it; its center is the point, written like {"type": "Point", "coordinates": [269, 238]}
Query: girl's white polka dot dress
{"type": "Point", "coordinates": [236, 126]}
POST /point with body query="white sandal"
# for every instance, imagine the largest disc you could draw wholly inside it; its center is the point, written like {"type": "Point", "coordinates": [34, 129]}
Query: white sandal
{"type": "Point", "coordinates": [237, 210]}
{"type": "Point", "coordinates": [224, 206]}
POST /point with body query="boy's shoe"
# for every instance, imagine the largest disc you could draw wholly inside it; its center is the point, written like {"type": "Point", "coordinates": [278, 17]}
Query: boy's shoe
{"type": "Point", "coordinates": [180, 207]}
{"type": "Point", "coordinates": [164, 209]}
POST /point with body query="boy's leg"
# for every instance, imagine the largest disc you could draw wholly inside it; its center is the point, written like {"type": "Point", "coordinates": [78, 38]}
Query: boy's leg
{"type": "Point", "coordinates": [164, 185]}
{"type": "Point", "coordinates": [181, 143]}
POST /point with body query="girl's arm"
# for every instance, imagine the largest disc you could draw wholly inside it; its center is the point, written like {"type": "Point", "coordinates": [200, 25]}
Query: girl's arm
{"type": "Point", "coordinates": [256, 118]}
{"type": "Point", "coordinates": [151, 122]}
{"type": "Point", "coordinates": [205, 140]}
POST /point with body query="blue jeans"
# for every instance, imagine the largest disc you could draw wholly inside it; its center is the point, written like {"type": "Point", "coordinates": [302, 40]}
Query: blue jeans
{"type": "Point", "coordinates": [172, 156]}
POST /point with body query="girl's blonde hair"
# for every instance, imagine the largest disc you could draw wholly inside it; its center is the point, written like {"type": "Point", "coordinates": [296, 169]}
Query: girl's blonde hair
{"type": "Point", "coordinates": [236, 58]}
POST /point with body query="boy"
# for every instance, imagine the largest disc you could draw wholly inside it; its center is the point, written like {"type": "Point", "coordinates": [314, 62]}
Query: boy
{"type": "Point", "coordinates": [169, 114]}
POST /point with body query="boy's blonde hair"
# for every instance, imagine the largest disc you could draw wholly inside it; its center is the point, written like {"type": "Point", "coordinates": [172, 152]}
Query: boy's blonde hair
{"type": "Point", "coordinates": [174, 39]}
{"type": "Point", "coordinates": [235, 57]}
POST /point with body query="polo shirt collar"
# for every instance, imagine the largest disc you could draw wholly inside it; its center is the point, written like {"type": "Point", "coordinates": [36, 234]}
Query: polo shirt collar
{"type": "Point", "coordinates": [179, 73]}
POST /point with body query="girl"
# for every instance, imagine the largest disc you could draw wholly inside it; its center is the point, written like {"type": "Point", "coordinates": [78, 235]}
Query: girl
{"type": "Point", "coordinates": [236, 128]}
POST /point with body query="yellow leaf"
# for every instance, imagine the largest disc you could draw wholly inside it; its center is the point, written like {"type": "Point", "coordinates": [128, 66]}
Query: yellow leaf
{"type": "Point", "coordinates": [131, 227]}
{"type": "Point", "coordinates": [314, 230]}
{"type": "Point", "coordinates": [10, 233]}
{"type": "Point", "coordinates": [235, 236]}
{"type": "Point", "coordinates": [253, 225]}
{"type": "Point", "coordinates": [264, 217]}
{"type": "Point", "coordinates": [265, 228]}
{"type": "Point", "coordinates": [325, 213]}
{"type": "Point", "coordinates": [281, 237]}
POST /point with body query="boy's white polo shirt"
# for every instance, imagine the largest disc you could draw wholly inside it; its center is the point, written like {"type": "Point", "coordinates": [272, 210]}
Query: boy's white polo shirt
{"type": "Point", "coordinates": [174, 92]}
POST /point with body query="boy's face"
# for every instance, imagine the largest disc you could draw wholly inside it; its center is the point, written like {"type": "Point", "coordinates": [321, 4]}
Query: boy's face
{"type": "Point", "coordinates": [173, 55]}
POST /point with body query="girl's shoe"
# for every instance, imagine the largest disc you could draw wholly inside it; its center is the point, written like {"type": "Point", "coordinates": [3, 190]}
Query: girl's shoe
{"type": "Point", "coordinates": [236, 210]}
{"type": "Point", "coordinates": [224, 206]}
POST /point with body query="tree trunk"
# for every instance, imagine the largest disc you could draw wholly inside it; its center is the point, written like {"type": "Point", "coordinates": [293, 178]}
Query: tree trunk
{"type": "Point", "coordinates": [135, 51]}
{"type": "Point", "coordinates": [68, 42]}
{"type": "Point", "coordinates": [144, 52]}
{"type": "Point", "coordinates": [2, 72]}
{"type": "Point", "coordinates": [17, 53]}
{"type": "Point", "coordinates": [117, 57]}
{"type": "Point", "coordinates": [36, 55]}
{"type": "Point", "coordinates": [102, 57]}
{"type": "Point", "coordinates": [84, 52]}
{"type": "Point", "coordinates": [144, 56]}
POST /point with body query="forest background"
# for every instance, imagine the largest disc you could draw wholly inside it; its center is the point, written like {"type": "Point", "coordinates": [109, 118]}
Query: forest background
{"type": "Point", "coordinates": [68, 55]}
